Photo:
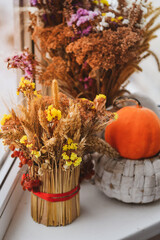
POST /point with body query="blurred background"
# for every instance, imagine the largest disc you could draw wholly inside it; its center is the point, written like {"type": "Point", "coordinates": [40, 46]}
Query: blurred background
{"type": "Point", "coordinates": [148, 81]}
{"type": "Point", "coordinates": [8, 81]}
{"type": "Point", "coordinates": [7, 32]}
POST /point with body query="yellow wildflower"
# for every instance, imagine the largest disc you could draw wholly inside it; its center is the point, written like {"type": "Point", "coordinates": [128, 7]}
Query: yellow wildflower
{"type": "Point", "coordinates": [73, 156]}
{"type": "Point", "coordinates": [5, 118]}
{"type": "Point", "coordinates": [69, 141]}
{"type": "Point", "coordinates": [26, 83]}
{"type": "Point", "coordinates": [25, 86]}
{"type": "Point", "coordinates": [37, 94]}
{"type": "Point", "coordinates": [68, 163]}
{"type": "Point", "coordinates": [103, 14]}
{"type": "Point", "coordinates": [73, 146]}
{"type": "Point", "coordinates": [105, 2]}
{"type": "Point", "coordinates": [33, 85]}
{"type": "Point", "coordinates": [85, 99]}
{"type": "Point", "coordinates": [29, 145]}
{"type": "Point", "coordinates": [59, 114]}
{"type": "Point", "coordinates": [114, 20]}
{"type": "Point", "coordinates": [115, 116]}
{"type": "Point", "coordinates": [37, 154]}
{"type": "Point", "coordinates": [120, 18]}
{"type": "Point", "coordinates": [23, 140]}
{"type": "Point", "coordinates": [65, 156]}
{"type": "Point", "coordinates": [77, 162]}
{"type": "Point", "coordinates": [96, 2]}
{"type": "Point", "coordinates": [21, 82]}
{"type": "Point", "coordinates": [65, 148]}
{"type": "Point", "coordinates": [100, 96]}
{"type": "Point", "coordinates": [73, 159]}
{"type": "Point", "coordinates": [52, 113]}
{"type": "Point", "coordinates": [49, 118]}
{"type": "Point", "coordinates": [50, 107]}
{"type": "Point", "coordinates": [69, 147]}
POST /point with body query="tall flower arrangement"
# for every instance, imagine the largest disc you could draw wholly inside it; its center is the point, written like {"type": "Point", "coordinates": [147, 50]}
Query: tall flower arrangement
{"type": "Point", "coordinates": [92, 47]}
{"type": "Point", "coordinates": [54, 131]}
{"type": "Point", "coordinates": [51, 134]}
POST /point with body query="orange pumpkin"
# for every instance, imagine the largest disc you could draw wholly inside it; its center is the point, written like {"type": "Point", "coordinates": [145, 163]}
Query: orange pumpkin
{"type": "Point", "coordinates": [136, 133]}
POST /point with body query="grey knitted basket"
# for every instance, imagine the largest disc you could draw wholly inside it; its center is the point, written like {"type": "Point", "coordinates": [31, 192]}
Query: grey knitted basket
{"type": "Point", "coordinates": [130, 181]}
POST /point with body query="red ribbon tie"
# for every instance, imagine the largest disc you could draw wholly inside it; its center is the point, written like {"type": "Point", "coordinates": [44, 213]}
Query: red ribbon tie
{"type": "Point", "coordinates": [57, 197]}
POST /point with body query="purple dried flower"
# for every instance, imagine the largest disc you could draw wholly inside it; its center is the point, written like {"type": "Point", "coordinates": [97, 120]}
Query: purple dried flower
{"type": "Point", "coordinates": [82, 16]}
{"type": "Point", "coordinates": [33, 2]}
{"type": "Point", "coordinates": [82, 20]}
{"type": "Point", "coordinates": [82, 12]}
{"type": "Point", "coordinates": [73, 19]}
{"type": "Point", "coordinates": [25, 62]}
{"type": "Point", "coordinates": [88, 82]}
{"type": "Point", "coordinates": [86, 31]}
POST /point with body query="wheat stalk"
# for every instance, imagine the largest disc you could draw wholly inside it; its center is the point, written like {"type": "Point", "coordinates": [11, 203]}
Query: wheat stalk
{"type": "Point", "coordinates": [95, 144]}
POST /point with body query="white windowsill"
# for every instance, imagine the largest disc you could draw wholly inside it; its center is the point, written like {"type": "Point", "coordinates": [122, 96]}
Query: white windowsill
{"type": "Point", "coordinates": [101, 218]}
{"type": "Point", "coordinates": [10, 193]}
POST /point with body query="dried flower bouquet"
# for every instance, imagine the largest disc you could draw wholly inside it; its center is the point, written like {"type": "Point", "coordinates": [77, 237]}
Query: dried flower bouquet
{"type": "Point", "coordinates": [92, 47]}
{"type": "Point", "coordinates": [51, 135]}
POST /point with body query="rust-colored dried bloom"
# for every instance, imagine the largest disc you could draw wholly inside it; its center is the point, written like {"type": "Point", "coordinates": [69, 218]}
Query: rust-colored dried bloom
{"type": "Point", "coordinates": [96, 46]}
{"type": "Point", "coordinates": [106, 50]}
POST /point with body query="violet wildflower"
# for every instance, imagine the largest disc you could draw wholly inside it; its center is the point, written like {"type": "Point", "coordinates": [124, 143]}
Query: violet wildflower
{"type": "Point", "coordinates": [33, 2]}
{"type": "Point", "coordinates": [82, 12]}
{"type": "Point", "coordinates": [82, 20]}
{"type": "Point", "coordinates": [73, 19]}
{"type": "Point", "coordinates": [25, 62]}
{"type": "Point", "coordinates": [82, 16]}
{"type": "Point", "coordinates": [88, 82]}
{"type": "Point", "coordinates": [80, 33]}
{"type": "Point", "coordinates": [86, 31]}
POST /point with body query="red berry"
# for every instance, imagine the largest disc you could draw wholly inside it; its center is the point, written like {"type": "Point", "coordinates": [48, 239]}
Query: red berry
{"type": "Point", "coordinates": [29, 163]}
{"type": "Point", "coordinates": [23, 176]}
{"type": "Point", "coordinates": [21, 154]}
{"type": "Point", "coordinates": [20, 165]}
{"type": "Point", "coordinates": [24, 160]}
{"type": "Point", "coordinates": [12, 147]}
{"type": "Point", "coordinates": [16, 153]}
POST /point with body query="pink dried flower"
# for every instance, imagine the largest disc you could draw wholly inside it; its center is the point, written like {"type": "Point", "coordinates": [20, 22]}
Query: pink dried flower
{"type": "Point", "coordinates": [82, 16]}
{"type": "Point", "coordinates": [24, 61]}
{"type": "Point", "coordinates": [88, 82]}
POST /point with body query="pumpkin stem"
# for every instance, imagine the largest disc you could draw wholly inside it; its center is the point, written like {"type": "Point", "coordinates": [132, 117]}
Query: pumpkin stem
{"type": "Point", "coordinates": [123, 101]}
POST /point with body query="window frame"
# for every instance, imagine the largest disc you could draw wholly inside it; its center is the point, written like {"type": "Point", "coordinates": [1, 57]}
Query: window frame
{"type": "Point", "coordinates": [10, 174]}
